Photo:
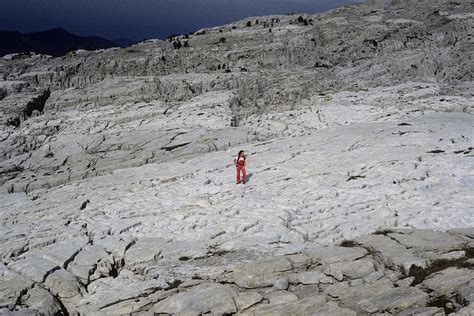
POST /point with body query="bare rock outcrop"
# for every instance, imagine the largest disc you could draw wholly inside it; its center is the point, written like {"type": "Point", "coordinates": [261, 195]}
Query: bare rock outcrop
{"type": "Point", "coordinates": [117, 190]}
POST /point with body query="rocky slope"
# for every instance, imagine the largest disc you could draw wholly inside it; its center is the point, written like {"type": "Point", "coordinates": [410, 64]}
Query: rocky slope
{"type": "Point", "coordinates": [117, 184]}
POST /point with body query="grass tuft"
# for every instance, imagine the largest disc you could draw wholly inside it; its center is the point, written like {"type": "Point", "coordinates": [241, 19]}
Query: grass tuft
{"type": "Point", "coordinates": [348, 243]}
{"type": "Point", "coordinates": [442, 302]}
{"type": "Point", "coordinates": [384, 232]}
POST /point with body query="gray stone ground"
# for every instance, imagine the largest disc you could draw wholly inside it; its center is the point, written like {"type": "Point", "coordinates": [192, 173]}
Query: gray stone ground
{"type": "Point", "coordinates": [365, 276]}
{"type": "Point", "coordinates": [117, 188]}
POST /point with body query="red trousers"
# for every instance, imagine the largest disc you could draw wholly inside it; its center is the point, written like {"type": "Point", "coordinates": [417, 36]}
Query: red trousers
{"type": "Point", "coordinates": [241, 169]}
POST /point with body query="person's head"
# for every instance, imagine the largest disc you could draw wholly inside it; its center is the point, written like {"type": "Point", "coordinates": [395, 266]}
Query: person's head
{"type": "Point", "coordinates": [241, 153]}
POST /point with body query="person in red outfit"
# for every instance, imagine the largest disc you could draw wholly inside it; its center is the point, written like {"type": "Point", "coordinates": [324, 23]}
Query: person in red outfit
{"type": "Point", "coordinates": [240, 166]}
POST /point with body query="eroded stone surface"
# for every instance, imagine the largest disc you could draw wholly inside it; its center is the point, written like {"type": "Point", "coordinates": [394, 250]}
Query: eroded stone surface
{"type": "Point", "coordinates": [202, 299]}
{"type": "Point", "coordinates": [64, 285]}
{"type": "Point", "coordinates": [333, 254]}
{"type": "Point", "coordinates": [429, 240]}
{"type": "Point", "coordinates": [259, 274]}
{"type": "Point", "coordinates": [246, 300]}
{"type": "Point", "coordinates": [42, 302]}
{"type": "Point", "coordinates": [117, 185]}
{"type": "Point", "coordinates": [314, 305]}
{"type": "Point", "coordinates": [353, 270]}
{"type": "Point", "coordinates": [448, 281]}
{"type": "Point", "coordinates": [34, 267]}
{"type": "Point", "coordinates": [12, 287]}
{"type": "Point", "coordinates": [395, 255]}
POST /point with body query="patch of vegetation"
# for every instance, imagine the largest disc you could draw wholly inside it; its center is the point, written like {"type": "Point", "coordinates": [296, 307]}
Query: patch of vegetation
{"type": "Point", "coordinates": [469, 253]}
{"type": "Point", "coordinates": [173, 285]}
{"type": "Point", "coordinates": [304, 21]}
{"type": "Point", "coordinates": [84, 204]}
{"type": "Point", "coordinates": [421, 274]}
{"type": "Point", "coordinates": [384, 232]}
{"type": "Point", "coordinates": [171, 37]}
{"type": "Point", "coordinates": [14, 121]}
{"type": "Point", "coordinates": [184, 258]}
{"type": "Point", "coordinates": [442, 302]}
{"type": "Point", "coordinates": [70, 52]}
{"type": "Point", "coordinates": [462, 151]}
{"type": "Point", "coordinates": [348, 243]}
{"type": "Point", "coordinates": [177, 44]}
{"type": "Point", "coordinates": [220, 252]}
{"type": "Point", "coordinates": [3, 93]}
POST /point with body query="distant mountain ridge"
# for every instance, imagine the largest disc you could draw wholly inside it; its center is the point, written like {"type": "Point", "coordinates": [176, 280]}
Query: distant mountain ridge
{"type": "Point", "coordinates": [125, 41]}
{"type": "Point", "coordinates": [55, 42]}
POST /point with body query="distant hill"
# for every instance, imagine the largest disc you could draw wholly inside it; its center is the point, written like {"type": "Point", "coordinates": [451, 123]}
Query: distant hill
{"type": "Point", "coordinates": [124, 41]}
{"type": "Point", "coordinates": [55, 42]}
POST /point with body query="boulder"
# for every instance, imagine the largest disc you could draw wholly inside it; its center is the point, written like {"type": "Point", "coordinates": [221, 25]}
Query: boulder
{"type": "Point", "coordinates": [92, 263]}
{"type": "Point", "coordinates": [429, 240]}
{"type": "Point", "coordinates": [332, 254]}
{"type": "Point", "coordinates": [130, 293]}
{"type": "Point", "coordinates": [259, 274]}
{"type": "Point", "coordinates": [315, 305]}
{"type": "Point", "coordinates": [33, 266]}
{"type": "Point", "coordinates": [280, 297]}
{"type": "Point", "coordinates": [204, 298]}
{"type": "Point", "coordinates": [467, 293]}
{"type": "Point", "coordinates": [64, 285]}
{"type": "Point", "coordinates": [393, 254]}
{"type": "Point", "coordinates": [42, 302]}
{"type": "Point", "coordinates": [245, 300]}
{"type": "Point", "coordinates": [448, 281]}
{"type": "Point", "coordinates": [12, 287]}
{"type": "Point", "coordinates": [310, 277]}
{"type": "Point", "coordinates": [62, 253]}
{"type": "Point", "coordinates": [466, 311]}
{"type": "Point", "coordinates": [422, 311]}
{"type": "Point", "coordinates": [143, 251]}
{"type": "Point", "coordinates": [352, 270]}
{"type": "Point", "coordinates": [393, 300]}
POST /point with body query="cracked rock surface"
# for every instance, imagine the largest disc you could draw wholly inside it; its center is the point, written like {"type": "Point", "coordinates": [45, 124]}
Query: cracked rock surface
{"type": "Point", "coordinates": [117, 183]}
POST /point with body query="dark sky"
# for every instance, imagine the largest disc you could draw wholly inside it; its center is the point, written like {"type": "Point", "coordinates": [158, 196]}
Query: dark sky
{"type": "Point", "coordinates": [138, 19]}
